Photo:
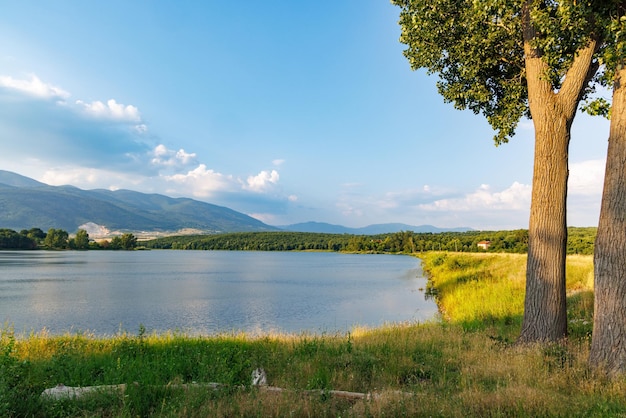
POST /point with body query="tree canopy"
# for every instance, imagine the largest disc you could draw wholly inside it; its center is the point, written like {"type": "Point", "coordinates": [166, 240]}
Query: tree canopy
{"type": "Point", "coordinates": [477, 49]}
{"type": "Point", "coordinates": [56, 239]}
{"type": "Point", "coordinates": [80, 241]}
{"type": "Point", "coordinates": [11, 240]}
{"type": "Point", "coordinates": [507, 59]}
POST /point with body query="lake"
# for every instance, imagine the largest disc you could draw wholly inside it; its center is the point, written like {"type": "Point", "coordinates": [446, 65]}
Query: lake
{"type": "Point", "coordinates": [208, 292]}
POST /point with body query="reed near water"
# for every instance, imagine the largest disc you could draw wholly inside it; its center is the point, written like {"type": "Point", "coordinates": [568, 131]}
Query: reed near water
{"type": "Point", "coordinates": [465, 364]}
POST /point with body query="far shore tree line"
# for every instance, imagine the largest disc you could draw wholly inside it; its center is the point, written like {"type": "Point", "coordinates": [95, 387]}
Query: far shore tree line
{"type": "Point", "coordinates": [516, 241]}
{"type": "Point", "coordinates": [59, 239]}
{"type": "Point", "coordinates": [580, 241]}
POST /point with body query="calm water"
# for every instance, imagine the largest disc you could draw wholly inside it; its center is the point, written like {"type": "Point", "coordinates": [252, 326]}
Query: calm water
{"type": "Point", "coordinates": [204, 292]}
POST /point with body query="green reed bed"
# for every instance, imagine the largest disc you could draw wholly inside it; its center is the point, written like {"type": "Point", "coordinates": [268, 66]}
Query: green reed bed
{"type": "Point", "coordinates": [464, 365]}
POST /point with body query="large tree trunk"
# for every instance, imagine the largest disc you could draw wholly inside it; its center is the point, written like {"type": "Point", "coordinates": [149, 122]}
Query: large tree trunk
{"type": "Point", "coordinates": [545, 311]}
{"type": "Point", "coordinates": [608, 345]}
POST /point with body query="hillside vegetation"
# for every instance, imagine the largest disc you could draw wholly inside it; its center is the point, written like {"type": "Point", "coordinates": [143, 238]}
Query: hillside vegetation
{"type": "Point", "coordinates": [464, 365]}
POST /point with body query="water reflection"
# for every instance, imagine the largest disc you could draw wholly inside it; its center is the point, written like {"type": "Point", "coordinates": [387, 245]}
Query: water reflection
{"type": "Point", "coordinates": [208, 292]}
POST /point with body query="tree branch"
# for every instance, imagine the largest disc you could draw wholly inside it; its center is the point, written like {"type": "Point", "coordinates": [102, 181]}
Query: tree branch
{"type": "Point", "coordinates": [580, 73]}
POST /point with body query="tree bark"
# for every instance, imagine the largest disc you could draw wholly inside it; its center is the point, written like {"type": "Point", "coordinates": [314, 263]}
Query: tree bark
{"type": "Point", "coordinates": [608, 344]}
{"type": "Point", "coordinates": [545, 311]}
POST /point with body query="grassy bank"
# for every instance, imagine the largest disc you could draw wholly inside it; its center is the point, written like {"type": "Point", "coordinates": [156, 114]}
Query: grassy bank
{"type": "Point", "coordinates": [486, 291]}
{"type": "Point", "coordinates": [462, 366]}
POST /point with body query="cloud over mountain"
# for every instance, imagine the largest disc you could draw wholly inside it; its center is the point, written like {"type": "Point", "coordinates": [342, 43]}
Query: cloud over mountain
{"type": "Point", "coordinates": [107, 144]}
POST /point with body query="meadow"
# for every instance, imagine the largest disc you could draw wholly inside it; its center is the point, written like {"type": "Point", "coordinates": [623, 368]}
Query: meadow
{"type": "Point", "coordinates": [465, 364]}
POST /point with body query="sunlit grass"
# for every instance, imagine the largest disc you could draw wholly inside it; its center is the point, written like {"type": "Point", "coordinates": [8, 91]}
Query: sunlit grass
{"type": "Point", "coordinates": [579, 272]}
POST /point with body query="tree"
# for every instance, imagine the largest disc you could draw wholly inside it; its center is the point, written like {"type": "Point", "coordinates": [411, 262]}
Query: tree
{"type": "Point", "coordinates": [11, 240]}
{"type": "Point", "coordinates": [608, 345]}
{"type": "Point", "coordinates": [116, 243]}
{"type": "Point", "coordinates": [56, 239]}
{"type": "Point", "coordinates": [506, 60]}
{"type": "Point", "coordinates": [81, 241]}
{"type": "Point", "coordinates": [125, 242]}
{"type": "Point", "coordinates": [128, 241]}
{"type": "Point", "coordinates": [36, 234]}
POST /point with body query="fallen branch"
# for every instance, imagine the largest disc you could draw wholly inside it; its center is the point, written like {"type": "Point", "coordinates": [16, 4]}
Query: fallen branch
{"type": "Point", "coordinates": [61, 391]}
{"type": "Point", "coordinates": [72, 392]}
{"type": "Point", "coordinates": [336, 393]}
{"type": "Point", "coordinates": [259, 380]}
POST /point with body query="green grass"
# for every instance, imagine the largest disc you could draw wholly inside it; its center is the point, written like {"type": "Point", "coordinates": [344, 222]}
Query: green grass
{"type": "Point", "coordinates": [479, 291]}
{"type": "Point", "coordinates": [464, 365]}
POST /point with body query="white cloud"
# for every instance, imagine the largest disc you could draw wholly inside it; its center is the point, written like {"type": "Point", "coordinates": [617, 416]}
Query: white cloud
{"type": "Point", "coordinates": [278, 162]}
{"type": "Point", "coordinates": [111, 110]}
{"type": "Point", "coordinates": [586, 178]}
{"type": "Point", "coordinates": [515, 197]}
{"type": "Point", "coordinates": [348, 209]}
{"type": "Point", "coordinates": [33, 87]}
{"type": "Point", "coordinates": [202, 182]}
{"type": "Point", "coordinates": [70, 176]}
{"type": "Point", "coordinates": [526, 125]}
{"type": "Point", "coordinates": [267, 218]}
{"type": "Point", "coordinates": [292, 198]}
{"type": "Point", "coordinates": [411, 197]}
{"type": "Point", "coordinates": [262, 182]}
{"type": "Point", "coordinates": [140, 129]}
{"type": "Point", "coordinates": [94, 230]}
{"type": "Point", "coordinates": [90, 178]}
{"type": "Point", "coordinates": [170, 158]}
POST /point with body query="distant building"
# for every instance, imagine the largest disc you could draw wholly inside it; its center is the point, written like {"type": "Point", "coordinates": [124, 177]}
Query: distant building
{"type": "Point", "coordinates": [484, 245]}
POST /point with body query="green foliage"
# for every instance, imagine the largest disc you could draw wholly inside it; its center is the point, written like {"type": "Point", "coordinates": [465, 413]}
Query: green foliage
{"type": "Point", "coordinates": [15, 385]}
{"type": "Point", "coordinates": [581, 241]}
{"type": "Point", "coordinates": [477, 49]}
{"type": "Point", "coordinates": [126, 241]}
{"type": "Point", "coordinates": [34, 233]}
{"type": "Point", "coordinates": [254, 241]}
{"type": "Point", "coordinates": [80, 241]}
{"type": "Point", "coordinates": [56, 239]}
{"type": "Point", "coordinates": [598, 107]}
{"type": "Point", "coordinates": [11, 240]}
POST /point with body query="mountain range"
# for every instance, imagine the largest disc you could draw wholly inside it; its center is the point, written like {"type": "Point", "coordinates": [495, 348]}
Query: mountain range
{"type": "Point", "coordinates": [26, 203]}
{"type": "Point", "coordinates": [367, 230]}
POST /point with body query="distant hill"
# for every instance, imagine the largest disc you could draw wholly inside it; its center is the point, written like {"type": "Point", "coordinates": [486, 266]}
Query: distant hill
{"type": "Point", "coordinates": [26, 203]}
{"type": "Point", "coordinates": [322, 227]}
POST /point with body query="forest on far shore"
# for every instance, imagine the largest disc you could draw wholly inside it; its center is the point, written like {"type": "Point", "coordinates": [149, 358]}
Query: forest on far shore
{"type": "Point", "coordinates": [580, 241]}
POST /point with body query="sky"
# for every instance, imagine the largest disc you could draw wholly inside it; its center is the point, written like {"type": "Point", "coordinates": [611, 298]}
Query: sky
{"type": "Point", "coordinates": [286, 111]}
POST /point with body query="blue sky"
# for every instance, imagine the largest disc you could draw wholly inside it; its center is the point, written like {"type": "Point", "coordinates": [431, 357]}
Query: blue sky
{"type": "Point", "coordinates": [286, 111]}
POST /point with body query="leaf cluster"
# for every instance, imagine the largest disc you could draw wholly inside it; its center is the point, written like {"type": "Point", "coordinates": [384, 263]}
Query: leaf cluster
{"type": "Point", "coordinates": [477, 49]}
